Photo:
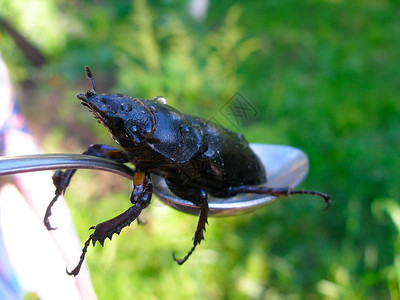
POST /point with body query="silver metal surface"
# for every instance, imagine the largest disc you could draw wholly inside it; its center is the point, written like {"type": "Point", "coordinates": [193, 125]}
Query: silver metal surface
{"type": "Point", "coordinates": [42, 162]}
{"type": "Point", "coordinates": [285, 165]}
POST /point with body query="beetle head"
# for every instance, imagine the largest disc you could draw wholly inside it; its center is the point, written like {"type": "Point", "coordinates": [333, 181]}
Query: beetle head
{"type": "Point", "coordinates": [129, 120]}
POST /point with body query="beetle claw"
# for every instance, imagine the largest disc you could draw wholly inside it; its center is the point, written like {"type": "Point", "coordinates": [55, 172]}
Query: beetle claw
{"type": "Point", "coordinates": [49, 228]}
{"type": "Point", "coordinates": [73, 272]}
{"type": "Point", "coordinates": [182, 261]}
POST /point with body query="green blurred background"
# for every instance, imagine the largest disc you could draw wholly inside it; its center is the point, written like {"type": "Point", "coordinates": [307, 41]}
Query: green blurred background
{"type": "Point", "coordinates": [322, 75]}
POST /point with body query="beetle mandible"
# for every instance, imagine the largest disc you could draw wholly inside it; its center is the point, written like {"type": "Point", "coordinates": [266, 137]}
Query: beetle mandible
{"type": "Point", "coordinates": [195, 157]}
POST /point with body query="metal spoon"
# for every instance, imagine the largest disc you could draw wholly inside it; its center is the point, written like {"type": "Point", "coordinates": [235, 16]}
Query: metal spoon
{"type": "Point", "coordinates": [41, 162]}
{"type": "Point", "coordinates": [286, 167]}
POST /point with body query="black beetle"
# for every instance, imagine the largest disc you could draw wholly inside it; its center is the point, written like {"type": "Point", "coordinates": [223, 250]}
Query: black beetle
{"type": "Point", "coordinates": [196, 158]}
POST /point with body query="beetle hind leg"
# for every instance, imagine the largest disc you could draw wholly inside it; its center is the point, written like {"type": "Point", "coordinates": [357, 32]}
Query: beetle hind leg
{"type": "Point", "coordinates": [201, 227]}
{"type": "Point", "coordinates": [278, 192]}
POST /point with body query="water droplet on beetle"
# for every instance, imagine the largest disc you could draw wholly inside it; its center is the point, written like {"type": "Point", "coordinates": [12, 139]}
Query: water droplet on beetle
{"type": "Point", "coordinates": [160, 99]}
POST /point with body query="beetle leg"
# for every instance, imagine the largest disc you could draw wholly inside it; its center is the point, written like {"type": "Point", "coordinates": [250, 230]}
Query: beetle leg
{"type": "Point", "coordinates": [286, 192]}
{"type": "Point", "coordinates": [142, 188]}
{"type": "Point", "coordinates": [108, 152]}
{"type": "Point", "coordinates": [141, 196]}
{"type": "Point", "coordinates": [201, 227]}
{"type": "Point", "coordinates": [61, 179]}
{"type": "Point", "coordinates": [107, 229]}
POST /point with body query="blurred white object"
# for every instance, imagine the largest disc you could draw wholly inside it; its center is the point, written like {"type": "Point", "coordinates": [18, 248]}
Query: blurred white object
{"type": "Point", "coordinates": [38, 256]}
{"type": "Point", "coordinates": [198, 9]}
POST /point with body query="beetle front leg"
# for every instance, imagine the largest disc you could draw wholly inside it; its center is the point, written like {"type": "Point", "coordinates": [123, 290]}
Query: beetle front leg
{"type": "Point", "coordinates": [106, 230]}
{"type": "Point", "coordinates": [201, 227]}
{"type": "Point", "coordinates": [61, 179]}
{"type": "Point", "coordinates": [141, 196]}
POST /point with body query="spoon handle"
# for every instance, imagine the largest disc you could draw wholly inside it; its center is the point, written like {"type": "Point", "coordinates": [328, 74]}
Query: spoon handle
{"type": "Point", "coordinates": [41, 162]}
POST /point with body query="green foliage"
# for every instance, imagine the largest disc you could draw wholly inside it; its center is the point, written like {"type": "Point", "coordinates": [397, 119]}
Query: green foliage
{"type": "Point", "coordinates": [323, 77]}
{"type": "Point", "coordinates": [158, 55]}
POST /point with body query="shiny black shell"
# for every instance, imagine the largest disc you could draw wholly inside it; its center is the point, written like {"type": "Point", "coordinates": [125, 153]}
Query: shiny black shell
{"type": "Point", "coordinates": [189, 152]}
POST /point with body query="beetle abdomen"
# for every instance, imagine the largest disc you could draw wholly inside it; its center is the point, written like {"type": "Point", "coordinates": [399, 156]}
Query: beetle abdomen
{"type": "Point", "coordinates": [231, 160]}
{"type": "Point", "coordinates": [227, 161]}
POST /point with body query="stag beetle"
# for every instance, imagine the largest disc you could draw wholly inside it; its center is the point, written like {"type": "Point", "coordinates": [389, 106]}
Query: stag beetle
{"type": "Point", "coordinates": [195, 157]}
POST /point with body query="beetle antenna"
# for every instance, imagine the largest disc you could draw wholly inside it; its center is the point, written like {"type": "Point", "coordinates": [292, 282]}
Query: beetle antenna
{"type": "Point", "coordinates": [90, 76]}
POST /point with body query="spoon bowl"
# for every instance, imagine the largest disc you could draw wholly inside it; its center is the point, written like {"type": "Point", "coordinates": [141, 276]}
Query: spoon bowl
{"type": "Point", "coordinates": [286, 167]}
